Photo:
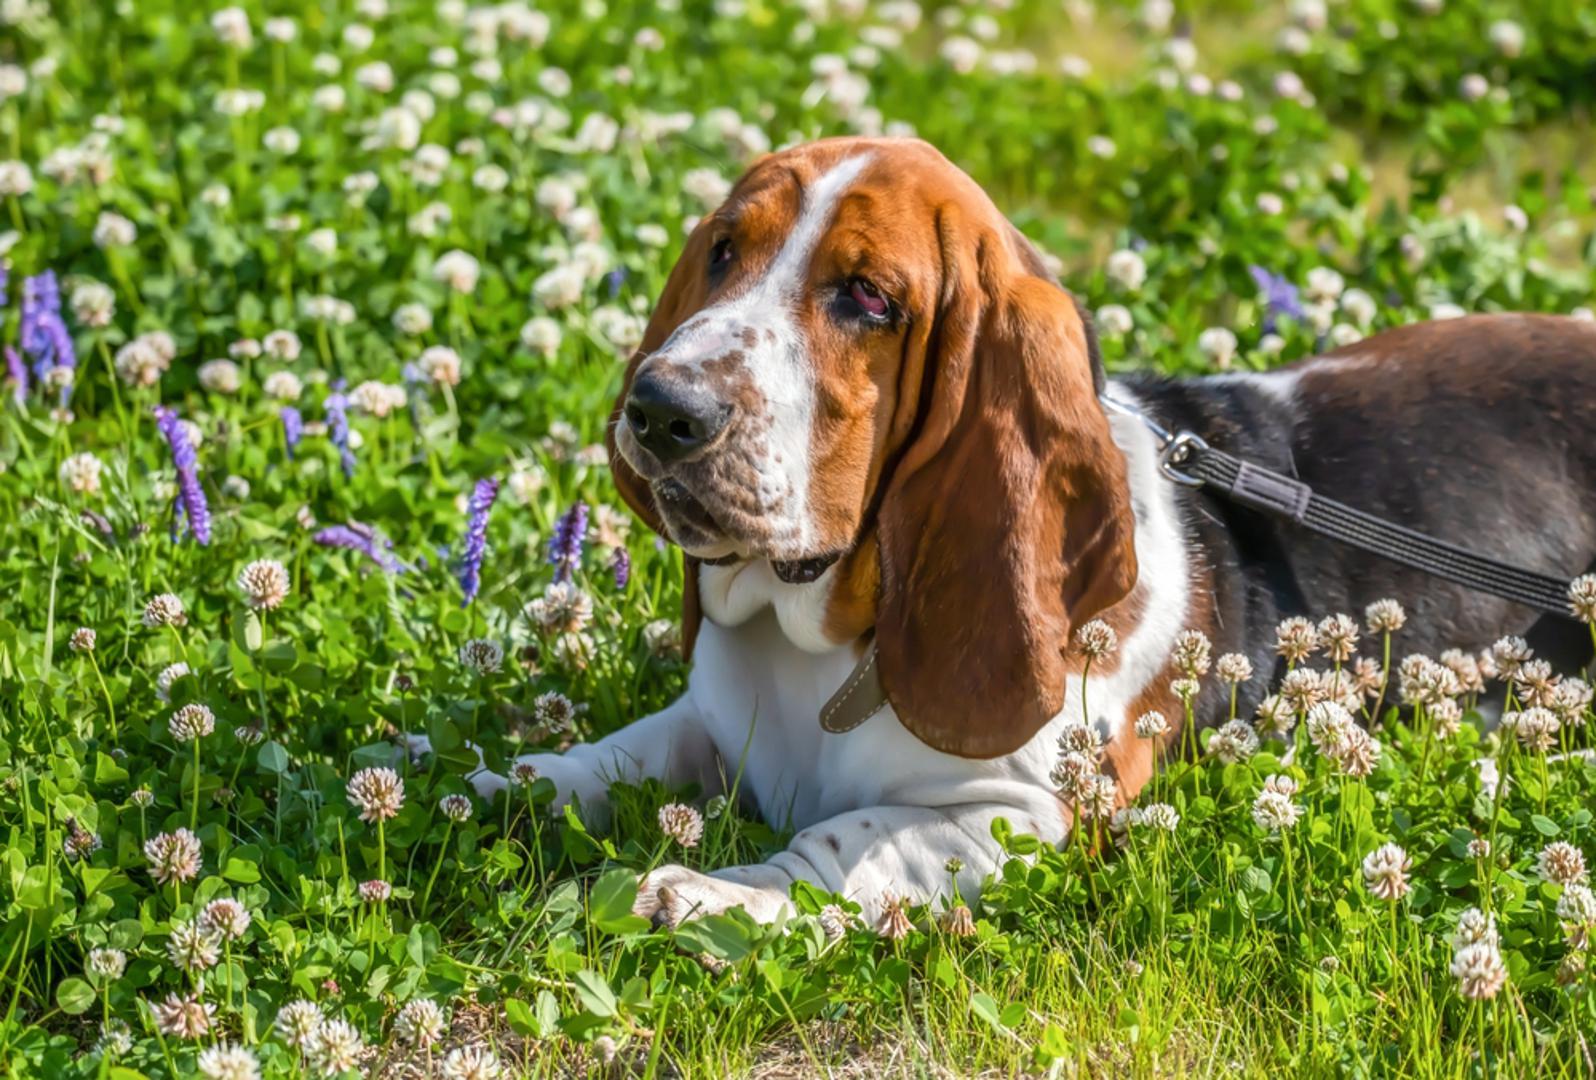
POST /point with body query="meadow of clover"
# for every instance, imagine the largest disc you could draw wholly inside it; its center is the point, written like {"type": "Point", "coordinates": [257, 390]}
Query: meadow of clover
{"type": "Point", "coordinates": [312, 314]}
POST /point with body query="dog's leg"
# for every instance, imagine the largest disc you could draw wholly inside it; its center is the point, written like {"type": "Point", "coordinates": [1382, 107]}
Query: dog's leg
{"type": "Point", "coordinates": [670, 745]}
{"type": "Point", "coordinates": [866, 855]}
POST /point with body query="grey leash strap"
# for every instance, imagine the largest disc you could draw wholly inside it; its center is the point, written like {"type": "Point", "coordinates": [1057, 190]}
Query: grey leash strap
{"type": "Point", "coordinates": [1188, 460]}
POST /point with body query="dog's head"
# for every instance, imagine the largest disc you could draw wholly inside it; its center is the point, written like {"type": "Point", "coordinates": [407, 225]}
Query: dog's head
{"type": "Point", "coordinates": [857, 357]}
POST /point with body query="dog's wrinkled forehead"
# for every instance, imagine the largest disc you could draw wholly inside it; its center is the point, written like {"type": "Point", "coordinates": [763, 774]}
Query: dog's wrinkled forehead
{"type": "Point", "coordinates": [778, 254]}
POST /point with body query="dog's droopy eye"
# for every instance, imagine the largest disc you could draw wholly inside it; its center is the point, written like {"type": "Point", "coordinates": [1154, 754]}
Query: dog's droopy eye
{"type": "Point", "coordinates": [720, 254]}
{"type": "Point", "coordinates": [869, 299]}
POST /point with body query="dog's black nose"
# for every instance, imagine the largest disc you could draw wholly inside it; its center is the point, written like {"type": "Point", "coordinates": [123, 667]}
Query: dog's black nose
{"type": "Point", "coordinates": [671, 417]}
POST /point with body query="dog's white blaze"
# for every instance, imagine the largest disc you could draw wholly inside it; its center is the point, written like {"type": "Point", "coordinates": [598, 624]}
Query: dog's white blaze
{"type": "Point", "coordinates": [779, 363]}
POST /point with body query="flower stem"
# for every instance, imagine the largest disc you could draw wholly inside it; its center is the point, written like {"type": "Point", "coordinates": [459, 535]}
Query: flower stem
{"type": "Point", "coordinates": [109, 707]}
{"type": "Point", "coordinates": [193, 810]}
{"type": "Point", "coordinates": [426, 895]}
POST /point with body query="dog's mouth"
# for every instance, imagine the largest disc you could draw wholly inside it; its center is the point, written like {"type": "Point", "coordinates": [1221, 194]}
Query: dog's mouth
{"type": "Point", "coordinates": [717, 524]}
{"type": "Point", "coordinates": [694, 527]}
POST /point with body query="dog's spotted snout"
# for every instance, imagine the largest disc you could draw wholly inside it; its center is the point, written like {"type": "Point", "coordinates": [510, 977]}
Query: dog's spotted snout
{"type": "Point", "coordinates": [672, 416]}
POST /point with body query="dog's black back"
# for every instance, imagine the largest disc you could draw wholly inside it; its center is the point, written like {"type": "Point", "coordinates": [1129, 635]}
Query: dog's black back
{"type": "Point", "coordinates": [1480, 431]}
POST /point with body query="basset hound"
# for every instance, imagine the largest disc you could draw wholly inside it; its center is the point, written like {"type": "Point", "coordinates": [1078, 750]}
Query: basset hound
{"type": "Point", "coordinates": [873, 423]}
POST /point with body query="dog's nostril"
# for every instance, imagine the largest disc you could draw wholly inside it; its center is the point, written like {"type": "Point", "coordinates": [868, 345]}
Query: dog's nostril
{"type": "Point", "coordinates": [672, 417]}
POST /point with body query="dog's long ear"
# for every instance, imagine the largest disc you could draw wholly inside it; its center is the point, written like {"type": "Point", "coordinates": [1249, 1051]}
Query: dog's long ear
{"type": "Point", "coordinates": [1007, 521]}
{"type": "Point", "coordinates": [684, 293]}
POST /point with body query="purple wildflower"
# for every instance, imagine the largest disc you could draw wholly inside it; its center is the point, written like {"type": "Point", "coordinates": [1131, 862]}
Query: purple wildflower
{"type": "Point", "coordinates": [476, 538]}
{"type": "Point", "coordinates": [614, 280]}
{"type": "Point", "coordinates": [43, 332]}
{"type": "Point", "coordinates": [293, 427]}
{"type": "Point", "coordinates": [364, 539]}
{"type": "Point", "coordinates": [565, 547]}
{"type": "Point", "coordinates": [621, 567]}
{"type": "Point", "coordinates": [191, 504]}
{"type": "Point", "coordinates": [16, 375]}
{"type": "Point", "coordinates": [1280, 297]}
{"type": "Point", "coordinates": [338, 431]}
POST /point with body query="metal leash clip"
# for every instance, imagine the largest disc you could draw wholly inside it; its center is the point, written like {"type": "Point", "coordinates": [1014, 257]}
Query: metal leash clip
{"type": "Point", "coordinates": [1180, 449]}
{"type": "Point", "coordinates": [1173, 449]}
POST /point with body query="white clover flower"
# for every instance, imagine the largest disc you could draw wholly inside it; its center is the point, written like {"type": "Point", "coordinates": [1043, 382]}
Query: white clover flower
{"type": "Point", "coordinates": [1160, 816]}
{"type": "Point", "coordinates": [377, 398]}
{"type": "Point", "coordinates": [412, 319]}
{"type": "Point", "coordinates": [16, 179]}
{"type": "Point", "coordinates": [13, 80]}
{"type": "Point", "coordinates": [470, 1063]}
{"type": "Point", "coordinates": [456, 808]}
{"type": "Point", "coordinates": [560, 287]}
{"type": "Point", "coordinates": [1115, 320]}
{"type": "Point", "coordinates": [193, 946]}
{"type": "Point", "coordinates": [1218, 343]}
{"type": "Point", "coordinates": [281, 140]}
{"type": "Point", "coordinates": [553, 711]}
{"type": "Point", "coordinates": [192, 721]}
{"type": "Point", "coordinates": [458, 270]}
{"type": "Point", "coordinates": [282, 345]}
{"type": "Point", "coordinates": [81, 474]}
{"type": "Point", "coordinates": [281, 30]}
{"type": "Point", "coordinates": [377, 793]}
{"type": "Point", "coordinates": [396, 128]}
{"type": "Point", "coordinates": [421, 1023]}
{"type": "Point", "coordinates": [1473, 87]}
{"type": "Point", "coordinates": [1479, 970]}
{"type": "Point", "coordinates": [541, 335]}
{"type": "Point", "coordinates": [681, 823]}
{"type": "Point", "coordinates": [239, 102]}
{"type": "Point", "coordinates": [227, 1061]}
{"type": "Point", "coordinates": [441, 364]}
{"type": "Point", "coordinates": [324, 243]}
{"type": "Point", "coordinates": [651, 234]}
{"type": "Point", "coordinates": [112, 230]}
{"type": "Point", "coordinates": [1475, 927]}
{"type": "Point", "coordinates": [707, 187]}
{"type": "Point", "coordinates": [282, 386]}
{"type": "Point", "coordinates": [1273, 811]}
{"type": "Point", "coordinates": [335, 1047]}
{"type": "Point", "coordinates": [962, 54]}
{"type": "Point", "coordinates": [165, 609]}
{"type": "Point", "coordinates": [329, 98]}
{"type": "Point", "coordinates": [183, 1017]}
{"type": "Point", "coordinates": [231, 27]}
{"type": "Point", "coordinates": [375, 76]}
{"type": "Point", "coordinates": [1562, 863]}
{"type": "Point", "coordinates": [490, 178]}
{"type": "Point", "coordinates": [264, 583]}
{"type": "Point", "coordinates": [173, 856]}
{"type": "Point", "coordinates": [1233, 742]}
{"type": "Point", "coordinates": [221, 376]}
{"type": "Point", "coordinates": [1126, 269]}
{"type": "Point", "coordinates": [297, 1022]}
{"type": "Point", "coordinates": [620, 328]}
{"type": "Point", "coordinates": [1385, 872]}
{"type": "Point", "coordinates": [482, 655]}
{"type": "Point", "coordinates": [1582, 598]}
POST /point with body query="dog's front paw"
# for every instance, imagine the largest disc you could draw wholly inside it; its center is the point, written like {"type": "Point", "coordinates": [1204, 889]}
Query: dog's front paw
{"type": "Point", "coordinates": [671, 895]}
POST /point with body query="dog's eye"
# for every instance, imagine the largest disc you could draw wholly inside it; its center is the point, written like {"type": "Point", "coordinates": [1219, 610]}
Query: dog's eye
{"type": "Point", "coordinates": [869, 298]}
{"type": "Point", "coordinates": [720, 254]}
